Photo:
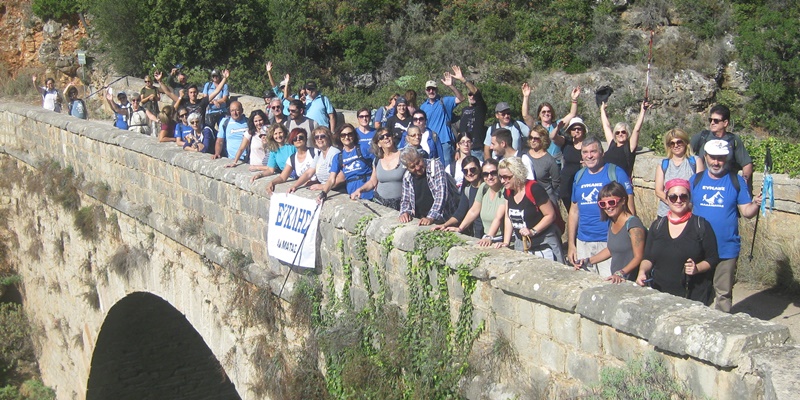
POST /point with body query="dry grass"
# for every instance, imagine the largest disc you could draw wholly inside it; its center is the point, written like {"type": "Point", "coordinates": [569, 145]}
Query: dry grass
{"type": "Point", "coordinates": [190, 226]}
{"type": "Point", "coordinates": [255, 305]}
{"type": "Point", "coordinates": [89, 220]}
{"type": "Point", "coordinates": [126, 259]}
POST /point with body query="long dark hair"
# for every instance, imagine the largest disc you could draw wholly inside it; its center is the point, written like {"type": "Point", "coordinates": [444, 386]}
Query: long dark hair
{"type": "Point", "coordinates": [251, 127]}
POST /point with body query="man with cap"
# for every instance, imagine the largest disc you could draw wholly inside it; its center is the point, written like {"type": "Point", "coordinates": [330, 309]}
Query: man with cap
{"type": "Point", "coordinates": [473, 119]}
{"type": "Point", "coordinates": [280, 90]}
{"type": "Point", "coordinates": [502, 111]}
{"type": "Point", "coordinates": [720, 196]}
{"type": "Point", "coordinates": [319, 108]}
{"type": "Point", "coordinates": [218, 104]}
{"type": "Point", "coordinates": [738, 159]}
{"type": "Point", "coordinates": [439, 111]}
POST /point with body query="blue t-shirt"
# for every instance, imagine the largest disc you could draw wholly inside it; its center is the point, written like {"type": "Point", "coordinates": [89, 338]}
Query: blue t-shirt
{"type": "Point", "coordinates": [209, 88]}
{"type": "Point", "coordinates": [277, 159]}
{"type": "Point", "coordinates": [318, 110]}
{"type": "Point", "coordinates": [439, 117]}
{"type": "Point", "coordinates": [182, 130]}
{"type": "Point", "coordinates": [716, 201]}
{"type": "Point", "coordinates": [383, 114]}
{"type": "Point", "coordinates": [233, 134]}
{"type": "Point", "coordinates": [584, 194]}
{"type": "Point", "coordinates": [365, 140]}
{"type": "Point", "coordinates": [356, 172]}
{"type": "Point", "coordinates": [554, 149]}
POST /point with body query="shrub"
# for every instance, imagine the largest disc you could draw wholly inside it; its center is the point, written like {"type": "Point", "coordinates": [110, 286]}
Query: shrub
{"type": "Point", "coordinates": [15, 344]}
{"type": "Point", "coordinates": [56, 9]}
{"type": "Point", "coordinates": [642, 378]}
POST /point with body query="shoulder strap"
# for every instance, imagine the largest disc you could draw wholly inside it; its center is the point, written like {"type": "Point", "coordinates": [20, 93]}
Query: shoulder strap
{"type": "Point", "coordinates": [224, 125]}
{"type": "Point", "coordinates": [529, 192]}
{"type": "Point", "coordinates": [293, 162]}
{"type": "Point", "coordinates": [693, 163]}
{"type": "Point", "coordinates": [664, 165]}
{"type": "Point", "coordinates": [735, 181]}
{"type": "Point", "coordinates": [485, 189]}
{"type": "Point", "coordinates": [697, 178]}
{"type": "Point", "coordinates": [660, 222]}
{"type": "Point", "coordinates": [444, 109]}
{"type": "Point", "coordinates": [579, 175]}
{"type": "Point", "coordinates": [341, 160]}
{"type": "Point", "coordinates": [452, 168]}
{"type": "Point", "coordinates": [612, 172]}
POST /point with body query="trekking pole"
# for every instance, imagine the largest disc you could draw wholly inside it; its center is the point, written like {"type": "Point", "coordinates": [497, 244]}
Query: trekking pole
{"type": "Point", "coordinates": [299, 250]}
{"type": "Point", "coordinates": [649, 60]}
{"type": "Point", "coordinates": [106, 86]}
{"type": "Point", "coordinates": [765, 189]}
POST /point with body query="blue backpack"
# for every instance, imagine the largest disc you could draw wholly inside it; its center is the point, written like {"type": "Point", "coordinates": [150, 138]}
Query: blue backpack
{"type": "Point", "coordinates": [691, 159]}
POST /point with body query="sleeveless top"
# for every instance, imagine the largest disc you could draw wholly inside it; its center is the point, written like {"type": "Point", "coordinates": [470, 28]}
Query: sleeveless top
{"type": "Point", "coordinates": [620, 246]}
{"type": "Point", "coordinates": [621, 156]}
{"type": "Point", "coordinates": [683, 171]}
{"type": "Point", "coordinates": [390, 182]}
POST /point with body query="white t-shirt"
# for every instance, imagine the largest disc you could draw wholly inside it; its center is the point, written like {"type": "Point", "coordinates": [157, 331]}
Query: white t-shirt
{"type": "Point", "coordinates": [302, 166]}
{"type": "Point", "coordinates": [50, 100]}
{"type": "Point", "coordinates": [323, 164]}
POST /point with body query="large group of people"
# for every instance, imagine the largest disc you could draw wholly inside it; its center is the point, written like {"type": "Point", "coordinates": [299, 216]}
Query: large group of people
{"type": "Point", "coordinates": [505, 183]}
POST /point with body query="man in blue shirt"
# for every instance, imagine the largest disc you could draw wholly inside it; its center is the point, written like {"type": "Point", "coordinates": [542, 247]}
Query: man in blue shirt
{"type": "Point", "coordinates": [231, 132]}
{"type": "Point", "coordinates": [319, 108]}
{"type": "Point", "coordinates": [720, 201]}
{"type": "Point", "coordinates": [218, 104]}
{"type": "Point", "coordinates": [588, 234]}
{"type": "Point", "coordinates": [439, 111]}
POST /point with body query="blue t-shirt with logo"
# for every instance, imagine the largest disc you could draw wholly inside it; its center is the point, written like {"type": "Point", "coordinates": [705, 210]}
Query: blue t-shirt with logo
{"type": "Point", "coordinates": [233, 134]}
{"type": "Point", "coordinates": [716, 201]}
{"type": "Point", "coordinates": [365, 140]}
{"type": "Point", "coordinates": [356, 171]}
{"type": "Point", "coordinates": [181, 131]}
{"type": "Point", "coordinates": [585, 193]}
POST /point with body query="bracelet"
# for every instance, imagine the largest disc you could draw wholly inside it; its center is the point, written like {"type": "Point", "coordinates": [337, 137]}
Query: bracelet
{"type": "Point", "coordinates": [620, 274]}
{"type": "Point", "coordinates": [574, 101]}
{"type": "Point", "coordinates": [486, 237]}
{"type": "Point", "coordinates": [533, 232]}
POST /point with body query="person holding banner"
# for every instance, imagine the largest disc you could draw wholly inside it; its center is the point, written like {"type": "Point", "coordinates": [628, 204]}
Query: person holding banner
{"type": "Point", "coordinates": [320, 172]}
{"type": "Point", "coordinates": [299, 162]}
{"type": "Point", "coordinates": [352, 166]}
{"type": "Point", "coordinates": [387, 171]}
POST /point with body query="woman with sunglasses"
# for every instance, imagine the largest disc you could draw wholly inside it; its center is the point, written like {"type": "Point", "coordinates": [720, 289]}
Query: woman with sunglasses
{"type": "Point", "coordinates": [463, 149]}
{"type": "Point", "coordinates": [622, 142]}
{"type": "Point", "coordinates": [200, 139]}
{"type": "Point", "coordinates": [413, 138]}
{"type": "Point", "coordinates": [680, 163]}
{"type": "Point", "coordinates": [256, 133]}
{"type": "Point", "coordinates": [571, 157]}
{"type": "Point", "coordinates": [528, 216]}
{"type": "Point", "coordinates": [681, 250]}
{"type": "Point", "coordinates": [352, 166]}
{"type": "Point", "coordinates": [320, 172]}
{"type": "Point", "coordinates": [546, 118]}
{"type": "Point", "coordinates": [182, 127]}
{"type": "Point", "coordinates": [364, 130]}
{"type": "Point", "coordinates": [483, 202]}
{"type": "Point", "coordinates": [387, 171]}
{"type": "Point", "coordinates": [542, 165]}
{"type": "Point", "coordinates": [626, 235]}
{"type": "Point", "coordinates": [138, 118]}
{"type": "Point", "coordinates": [299, 162]}
{"type": "Point", "coordinates": [279, 152]}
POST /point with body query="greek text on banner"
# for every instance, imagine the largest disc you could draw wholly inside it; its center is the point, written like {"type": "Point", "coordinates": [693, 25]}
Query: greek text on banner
{"type": "Point", "coordinates": [292, 232]}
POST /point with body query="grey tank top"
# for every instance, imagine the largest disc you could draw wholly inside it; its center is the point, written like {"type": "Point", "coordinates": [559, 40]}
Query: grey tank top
{"type": "Point", "coordinates": [683, 171]}
{"type": "Point", "coordinates": [390, 182]}
{"type": "Point", "coordinates": [620, 244]}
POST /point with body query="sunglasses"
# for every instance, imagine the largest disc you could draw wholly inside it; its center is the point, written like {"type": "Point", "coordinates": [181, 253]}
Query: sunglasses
{"type": "Point", "coordinates": [487, 174]}
{"type": "Point", "coordinates": [299, 138]}
{"type": "Point", "coordinates": [430, 89]}
{"type": "Point", "coordinates": [612, 202]}
{"type": "Point", "coordinates": [577, 128]}
{"type": "Point", "coordinates": [536, 138]}
{"type": "Point", "coordinates": [347, 134]}
{"type": "Point", "coordinates": [715, 120]}
{"type": "Point", "coordinates": [470, 170]}
{"type": "Point", "coordinates": [676, 143]}
{"type": "Point", "coordinates": [621, 132]}
{"type": "Point", "coordinates": [276, 107]}
{"type": "Point", "coordinates": [683, 197]}
{"type": "Point", "coordinates": [320, 137]}
{"type": "Point", "coordinates": [135, 100]}
{"type": "Point", "coordinates": [293, 110]}
{"type": "Point", "coordinates": [194, 122]}
{"type": "Point", "coordinates": [506, 177]}
{"type": "Point", "coordinates": [364, 116]}
{"type": "Point", "coordinates": [546, 112]}
{"type": "Point", "coordinates": [385, 136]}
{"type": "Point", "coordinates": [418, 119]}
{"type": "Point", "coordinates": [262, 136]}
{"type": "Point", "coordinates": [184, 115]}
{"type": "Point", "coordinates": [414, 135]}
{"type": "Point", "coordinates": [505, 113]}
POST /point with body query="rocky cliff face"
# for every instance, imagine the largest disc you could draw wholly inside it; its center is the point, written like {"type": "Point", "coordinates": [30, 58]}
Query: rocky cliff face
{"type": "Point", "coordinates": [29, 42]}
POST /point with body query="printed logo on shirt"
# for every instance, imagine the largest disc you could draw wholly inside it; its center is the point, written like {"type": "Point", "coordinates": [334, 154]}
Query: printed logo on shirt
{"type": "Point", "coordinates": [517, 218]}
{"type": "Point", "coordinates": [590, 197]}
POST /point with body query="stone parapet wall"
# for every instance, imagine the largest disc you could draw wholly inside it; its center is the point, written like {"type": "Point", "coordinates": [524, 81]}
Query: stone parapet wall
{"type": "Point", "coordinates": [564, 325]}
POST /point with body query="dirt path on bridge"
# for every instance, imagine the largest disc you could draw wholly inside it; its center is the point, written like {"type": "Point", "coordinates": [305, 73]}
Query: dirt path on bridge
{"type": "Point", "coordinates": [768, 304]}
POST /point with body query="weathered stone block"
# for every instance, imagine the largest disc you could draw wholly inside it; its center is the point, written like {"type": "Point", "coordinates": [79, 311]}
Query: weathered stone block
{"type": "Point", "coordinates": [590, 336]}
{"type": "Point", "coordinates": [779, 369]}
{"type": "Point", "coordinates": [715, 337]}
{"type": "Point", "coordinates": [621, 345]}
{"type": "Point", "coordinates": [583, 368]}
{"type": "Point", "coordinates": [553, 355]}
{"type": "Point", "coordinates": [567, 328]}
{"type": "Point", "coordinates": [699, 378]}
{"type": "Point", "coordinates": [541, 319]}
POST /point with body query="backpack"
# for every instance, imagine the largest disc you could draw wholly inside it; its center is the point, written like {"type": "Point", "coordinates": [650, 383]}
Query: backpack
{"type": "Point", "coordinates": [325, 100]}
{"type": "Point", "coordinates": [340, 158]}
{"type": "Point", "coordinates": [77, 109]}
{"type": "Point", "coordinates": [729, 138]}
{"type": "Point", "coordinates": [528, 192]}
{"type": "Point", "coordinates": [692, 163]}
{"type": "Point", "coordinates": [612, 173]}
{"type": "Point", "coordinates": [734, 181]}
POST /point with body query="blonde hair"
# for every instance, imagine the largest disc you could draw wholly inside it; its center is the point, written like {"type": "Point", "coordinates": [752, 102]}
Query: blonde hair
{"type": "Point", "coordinates": [677, 133]}
{"type": "Point", "coordinates": [271, 144]}
{"type": "Point", "coordinates": [517, 168]}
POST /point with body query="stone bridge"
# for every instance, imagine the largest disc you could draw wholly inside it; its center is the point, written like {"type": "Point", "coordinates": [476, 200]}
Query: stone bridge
{"type": "Point", "coordinates": [145, 275]}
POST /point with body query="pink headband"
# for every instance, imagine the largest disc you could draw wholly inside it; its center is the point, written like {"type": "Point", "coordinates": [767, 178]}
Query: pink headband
{"type": "Point", "coordinates": [677, 182]}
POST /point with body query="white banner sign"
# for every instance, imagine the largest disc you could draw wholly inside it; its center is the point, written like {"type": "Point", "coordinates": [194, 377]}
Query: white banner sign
{"type": "Point", "coordinates": [292, 231]}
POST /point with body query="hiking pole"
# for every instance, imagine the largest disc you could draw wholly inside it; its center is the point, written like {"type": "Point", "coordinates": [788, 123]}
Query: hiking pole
{"type": "Point", "coordinates": [649, 61]}
{"type": "Point", "coordinates": [766, 189]}
{"type": "Point", "coordinates": [106, 86]}
{"type": "Point", "coordinates": [299, 249]}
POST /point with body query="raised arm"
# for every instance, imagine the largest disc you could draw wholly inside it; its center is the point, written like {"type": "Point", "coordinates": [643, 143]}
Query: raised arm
{"type": "Point", "coordinates": [225, 74]}
{"type": "Point", "coordinates": [269, 74]}
{"type": "Point", "coordinates": [637, 128]}
{"type": "Point", "coordinates": [607, 131]}
{"type": "Point", "coordinates": [526, 116]}
{"type": "Point", "coordinates": [448, 81]}
{"type": "Point", "coordinates": [38, 88]}
{"type": "Point", "coordinates": [113, 105]}
{"type": "Point", "coordinates": [460, 76]}
{"type": "Point", "coordinates": [158, 75]}
{"type": "Point", "coordinates": [573, 108]}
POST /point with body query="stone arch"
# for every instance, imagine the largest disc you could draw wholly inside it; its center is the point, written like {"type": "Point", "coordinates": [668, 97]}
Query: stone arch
{"type": "Point", "coordinates": [147, 349]}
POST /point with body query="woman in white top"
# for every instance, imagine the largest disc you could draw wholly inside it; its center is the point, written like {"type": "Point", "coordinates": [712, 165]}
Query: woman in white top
{"type": "Point", "coordinates": [256, 124]}
{"type": "Point", "coordinates": [680, 163]}
{"type": "Point", "coordinates": [318, 174]}
{"type": "Point", "coordinates": [463, 147]}
{"type": "Point", "coordinates": [51, 98]}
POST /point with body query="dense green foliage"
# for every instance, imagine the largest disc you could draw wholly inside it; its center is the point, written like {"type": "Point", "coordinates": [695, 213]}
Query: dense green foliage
{"type": "Point", "coordinates": [56, 9]}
